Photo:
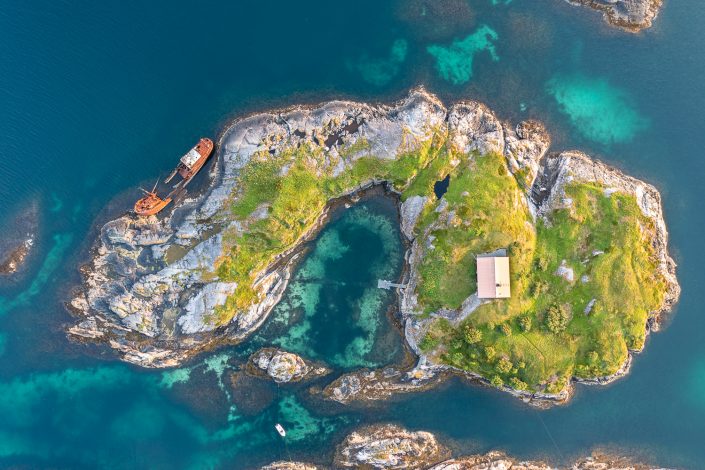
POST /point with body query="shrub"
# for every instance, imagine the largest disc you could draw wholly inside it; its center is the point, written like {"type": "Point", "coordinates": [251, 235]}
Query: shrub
{"type": "Point", "coordinates": [428, 343]}
{"type": "Point", "coordinates": [497, 381]}
{"type": "Point", "coordinates": [525, 322]}
{"type": "Point", "coordinates": [517, 384]}
{"type": "Point", "coordinates": [557, 318]}
{"type": "Point", "coordinates": [506, 329]}
{"type": "Point", "coordinates": [504, 365]}
{"type": "Point", "coordinates": [593, 357]}
{"type": "Point", "coordinates": [490, 353]}
{"type": "Point", "coordinates": [472, 335]}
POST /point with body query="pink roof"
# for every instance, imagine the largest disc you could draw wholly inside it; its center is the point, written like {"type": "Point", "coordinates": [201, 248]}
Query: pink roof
{"type": "Point", "coordinates": [493, 277]}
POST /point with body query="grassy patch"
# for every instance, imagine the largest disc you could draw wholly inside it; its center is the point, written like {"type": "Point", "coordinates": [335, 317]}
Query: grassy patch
{"type": "Point", "coordinates": [603, 239]}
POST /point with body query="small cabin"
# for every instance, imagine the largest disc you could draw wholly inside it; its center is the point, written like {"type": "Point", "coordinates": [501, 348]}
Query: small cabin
{"type": "Point", "coordinates": [493, 276]}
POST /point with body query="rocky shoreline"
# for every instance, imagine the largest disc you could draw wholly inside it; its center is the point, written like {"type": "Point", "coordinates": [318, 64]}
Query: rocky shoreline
{"type": "Point", "coordinates": [629, 15]}
{"type": "Point", "coordinates": [150, 292]}
{"type": "Point", "coordinates": [389, 446]}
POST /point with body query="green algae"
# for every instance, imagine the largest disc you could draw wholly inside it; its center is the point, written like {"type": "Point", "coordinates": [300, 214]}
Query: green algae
{"type": "Point", "coordinates": [597, 109]}
{"type": "Point", "coordinates": [52, 261]}
{"type": "Point", "coordinates": [455, 61]}
{"type": "Point", "coordinates": [305, 293]}
{"type": "Point", "coordinates": [301, 425]}
{"type": "Point", "coordinates": [361, 314]}
{"type": "Point", "coordinates": [380, 71]}
{"type": "Point", "coordinates": [22, 395]}
{"type": "Point", "coordinates": [369, 309]}
{"type": "Point", "coordinates": [170, 378]}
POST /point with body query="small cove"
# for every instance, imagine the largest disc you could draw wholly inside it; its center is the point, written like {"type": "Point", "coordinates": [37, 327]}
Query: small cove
{"type": "Point", "coordinates": [332, 309]}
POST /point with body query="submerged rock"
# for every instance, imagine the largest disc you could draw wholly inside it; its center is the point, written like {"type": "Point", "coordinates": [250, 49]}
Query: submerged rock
{"type": "Point", "coordinates": [17, 238]}
{"type": "Point", "coordinates": [389, 446]}
{"type": "Point", "coordinates": [284, 367]}
{"type": "Point", "coordinates": [631, 15]}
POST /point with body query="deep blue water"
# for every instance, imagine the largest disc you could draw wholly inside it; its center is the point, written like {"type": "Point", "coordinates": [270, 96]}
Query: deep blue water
{"type": "Point", "coordinates": [97, 98]}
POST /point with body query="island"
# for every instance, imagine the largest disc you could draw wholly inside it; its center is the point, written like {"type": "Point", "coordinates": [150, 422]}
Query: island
{"type": "Point", "coordinates": [629, 15]}
{"type": "Point", "coordinates": [586, 272]}
{"type": "Point", "coordinates": [387, 446]}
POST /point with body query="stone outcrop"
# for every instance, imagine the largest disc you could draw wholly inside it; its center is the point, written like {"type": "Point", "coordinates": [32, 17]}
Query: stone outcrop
{"type": "Point", "coordinates": [151, 293]}
{"type": "Point", "coordinates": [150, 290]}
{"type": "Point", "coordinates": [374, 385]}
{"type": "Point", "coordinates": [630, 15]}
{"type": "Point", "coordinates": [282, 366]}
{"type": "Point", "coordinates": [391, 447]}
{"type": "Point", "coordinates": [18, 238]}
{"type": "Point", "coordinates": [282, 465]}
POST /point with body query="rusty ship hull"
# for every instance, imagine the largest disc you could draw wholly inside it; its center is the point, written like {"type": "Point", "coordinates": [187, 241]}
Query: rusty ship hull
{"type": "Point", "coordinates": [151, 204]}
{"type": "Point", "coordinates": [191, 163]}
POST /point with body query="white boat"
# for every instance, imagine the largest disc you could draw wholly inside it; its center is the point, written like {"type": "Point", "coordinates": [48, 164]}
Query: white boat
{"type": "Point", "coordinates": [280, 429]}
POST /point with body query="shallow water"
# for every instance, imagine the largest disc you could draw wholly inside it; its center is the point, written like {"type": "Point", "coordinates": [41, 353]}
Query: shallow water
{"type": "Point", "coordinates": [98, 99]}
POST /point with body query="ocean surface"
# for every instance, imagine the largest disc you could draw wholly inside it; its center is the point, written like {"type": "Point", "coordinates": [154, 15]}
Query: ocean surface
{"type": "Point", "coordinates": [98, 98]}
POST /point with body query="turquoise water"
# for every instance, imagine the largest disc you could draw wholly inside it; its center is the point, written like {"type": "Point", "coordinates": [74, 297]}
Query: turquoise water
{"type": "Point", "coordinates": [99, 98]}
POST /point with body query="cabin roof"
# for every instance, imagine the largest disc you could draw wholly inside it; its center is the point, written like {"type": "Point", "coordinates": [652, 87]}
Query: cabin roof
{"type": "Point", "coordinates": [493, 277]}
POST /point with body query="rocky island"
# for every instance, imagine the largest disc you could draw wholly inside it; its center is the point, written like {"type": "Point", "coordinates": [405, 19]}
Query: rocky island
{"type": "Point", "coordinates": [393, 447]}
{"type": "Point", "coordinates": [587, 247]}
{"type": "Point", "coordinates": [630, 15]}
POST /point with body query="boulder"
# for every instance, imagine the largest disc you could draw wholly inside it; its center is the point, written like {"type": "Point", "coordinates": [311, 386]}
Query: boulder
{"type": "Point", "coordinates": [389, 447]}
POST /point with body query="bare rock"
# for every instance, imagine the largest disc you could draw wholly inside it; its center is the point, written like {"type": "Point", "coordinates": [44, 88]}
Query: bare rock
{"type": "Point", "coordinates": [389, 446]}
{"type": "Point", "coordinates": [630, 15]}
{"type": "Point", "coordinates": [282, 465]}
{"type": "Point", "coordinates": [283, 367]}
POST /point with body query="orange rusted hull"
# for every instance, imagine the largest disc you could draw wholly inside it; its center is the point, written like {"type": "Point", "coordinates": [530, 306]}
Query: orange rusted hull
{"type": "Point", "coordinates": [204, 147]}
{"type": "Point", "coordinates": [189, 165]}
{"type": "Point", "coordinates": [193, 161]}
{"type": "Point", "coordinates": [151, 204]}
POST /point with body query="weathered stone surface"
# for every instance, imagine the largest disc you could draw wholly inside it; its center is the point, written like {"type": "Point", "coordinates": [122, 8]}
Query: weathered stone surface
{"type": "Point", "coordinates": [150, 290]}
{"type": "Point", "coordinates": [17, 238]}
{"type": "Point", "coordinates": [631, 15]}
{"type": "Point", "coordinates": [391, 447]}
{"type": "Point", "coordinates": [374, 385]}
{"type": "Point", "coordinates": [284, 367]}
{"type": "Point", "coordinates": [289, 466]}
{"type": "Point", "coordinates": [388, 446]}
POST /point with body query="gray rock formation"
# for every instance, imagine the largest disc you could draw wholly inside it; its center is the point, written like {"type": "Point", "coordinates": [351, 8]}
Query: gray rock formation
{"type": "Point", "coordinates": [391, 447]}
{"type": "Point", "coordinates": [630, 15]}
{"type": "Point", "coordinates": [151, 293]}
{"type": "Point", "coordinates": [283, 367]}
{"type": "Point", "coordinates": [281, 465]}
{"type": "Point", "coordinates": [17, 238]}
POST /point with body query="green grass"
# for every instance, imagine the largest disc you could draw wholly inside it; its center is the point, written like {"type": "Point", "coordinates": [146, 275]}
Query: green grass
{"type": "Point", "coordinates": [280, 197]}
{"type": "Point", "coordinates": [623, 279]}
{"type": "Point", "coordinates": [490, 213]}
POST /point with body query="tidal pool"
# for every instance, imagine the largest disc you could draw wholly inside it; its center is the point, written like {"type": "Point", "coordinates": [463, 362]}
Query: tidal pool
{"type": "Point", "coordinates": [332, 309]}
